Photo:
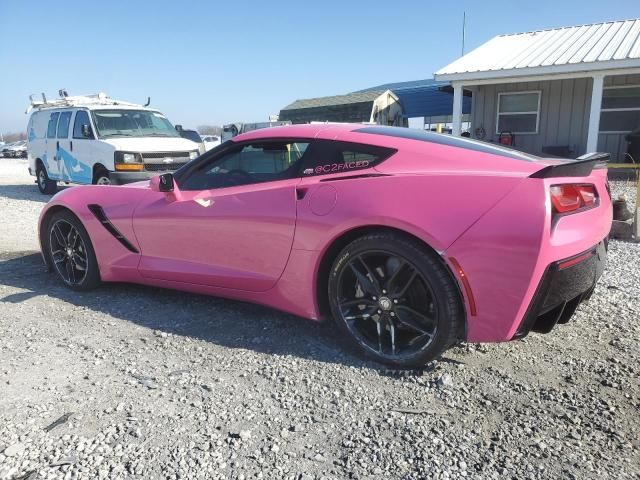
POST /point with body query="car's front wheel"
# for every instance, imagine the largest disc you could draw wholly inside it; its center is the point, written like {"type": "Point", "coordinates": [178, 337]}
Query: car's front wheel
{"type": "Point", "coordinates": [395, 300]}
{"type": "Point", "coordinates": [70, 252]}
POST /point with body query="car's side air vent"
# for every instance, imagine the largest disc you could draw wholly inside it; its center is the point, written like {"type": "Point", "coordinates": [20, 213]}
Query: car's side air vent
{"type": "Point", "coordinates": [106, 223]}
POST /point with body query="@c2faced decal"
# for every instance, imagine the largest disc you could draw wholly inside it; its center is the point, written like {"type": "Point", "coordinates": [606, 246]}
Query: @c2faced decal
{"type": "Point", "coordinates": [337, 167]}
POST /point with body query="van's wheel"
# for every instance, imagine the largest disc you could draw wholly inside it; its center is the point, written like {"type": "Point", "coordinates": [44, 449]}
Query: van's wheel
{"type": "Point", "coordinates": [101, 177]}
{"type": "Point", "coordinates": [394, 300]}
{"type": "Point", "coordinates": [45, 184]}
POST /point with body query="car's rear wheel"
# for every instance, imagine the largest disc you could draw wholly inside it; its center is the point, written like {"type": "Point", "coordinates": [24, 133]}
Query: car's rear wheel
{"type": "Point", "coordinates": [395, 300]}
{"type": "Point", "coordinates": [70, 252]}
{"type": "Point", "coordinates": [101, 177]}
{"type": "Point", "coordinates": [45, 184]}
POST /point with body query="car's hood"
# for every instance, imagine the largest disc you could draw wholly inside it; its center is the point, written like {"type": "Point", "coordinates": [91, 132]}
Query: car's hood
{"type": "Point", "coordinates": [152, 144]}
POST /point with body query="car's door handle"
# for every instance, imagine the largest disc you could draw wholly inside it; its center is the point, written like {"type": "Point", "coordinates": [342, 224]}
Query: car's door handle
{"type": "Point", "coordinates": [301, 192]}
{"type": "Point", "coordinates": [58, 145]}
{"type": "Point", "coordinates": [71, 145]}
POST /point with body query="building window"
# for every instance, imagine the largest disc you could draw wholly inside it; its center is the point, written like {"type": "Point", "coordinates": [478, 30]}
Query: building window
{"type": "Point", "coordinates": [518, 112]}
{"type": "Point", "coordinates": [620, 109]}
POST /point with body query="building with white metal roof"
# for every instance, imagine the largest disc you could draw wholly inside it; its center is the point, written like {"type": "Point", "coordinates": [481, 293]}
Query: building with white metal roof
{"type": "Point", "coordinates": [571, 89]}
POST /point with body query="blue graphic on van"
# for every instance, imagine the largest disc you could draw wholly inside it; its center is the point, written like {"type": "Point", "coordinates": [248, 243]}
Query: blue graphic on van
{"type": "Point", "coordinates": [32, 134]}
{"type": "Point", "coordinates": [74, 170]}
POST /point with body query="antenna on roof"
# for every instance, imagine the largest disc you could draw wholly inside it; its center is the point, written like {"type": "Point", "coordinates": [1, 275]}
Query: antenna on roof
{"type": "Point", "coordinates": [148, 102]}
{"type": "Point", "coordinates": [464, 29]}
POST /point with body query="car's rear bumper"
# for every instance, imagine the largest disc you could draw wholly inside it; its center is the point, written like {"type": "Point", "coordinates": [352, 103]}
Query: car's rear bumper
{"type": "Point", "coordinates": [564, 285]}
{"type": "Point", "coordinates": [122, 178]}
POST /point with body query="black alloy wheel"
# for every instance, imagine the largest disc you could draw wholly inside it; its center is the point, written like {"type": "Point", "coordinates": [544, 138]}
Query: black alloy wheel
{"type": "Point", "coordinates": [395, 299]}
{"type": "Point", "coordinates": [70, 252]}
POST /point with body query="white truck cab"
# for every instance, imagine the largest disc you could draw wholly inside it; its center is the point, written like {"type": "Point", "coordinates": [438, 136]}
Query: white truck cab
{"type": "Point", "coordinates": [94, 139]}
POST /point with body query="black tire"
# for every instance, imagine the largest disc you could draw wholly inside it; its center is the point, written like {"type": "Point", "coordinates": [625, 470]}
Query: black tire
{"type": "Point", "coordinates": [418, 318]}
{"type": "Point", "coordinates": [84, 278]}
{"type": "Point", "coordinates": [101, 176]}
{"type": "Point", "coordinates": [45, 184]}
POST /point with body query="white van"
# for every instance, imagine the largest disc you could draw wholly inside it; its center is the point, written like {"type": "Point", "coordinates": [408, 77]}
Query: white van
{"type": "Point", "coordinates": [94, 139]}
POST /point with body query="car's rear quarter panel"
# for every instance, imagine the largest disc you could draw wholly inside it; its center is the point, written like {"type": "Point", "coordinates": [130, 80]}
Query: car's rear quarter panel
{"type": "Point", "coordinates": [506, 252]}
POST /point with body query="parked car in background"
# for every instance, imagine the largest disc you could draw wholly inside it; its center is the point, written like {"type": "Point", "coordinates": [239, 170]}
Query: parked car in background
{"type": "Point", "coordinates": [210, 141]}
{"type": "Point", "coordinates": [232, 129]}
{"type": "Point", "coordinates": [98, 140]}
{"type": "Point", "coordinates": [15, 149]}
{"type": "Point", "coordinates": [359, 223]}
{"type": "Point", "coordinates": [4, 149]}
{"type": "Point", "coordinates": [193, 136]}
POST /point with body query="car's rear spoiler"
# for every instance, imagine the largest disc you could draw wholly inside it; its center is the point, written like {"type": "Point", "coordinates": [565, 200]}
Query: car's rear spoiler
{"type": "Point", "coordinates": [581, 167]}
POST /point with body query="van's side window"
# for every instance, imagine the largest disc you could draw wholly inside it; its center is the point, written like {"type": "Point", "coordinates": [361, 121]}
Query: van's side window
{"type": "Point", "coordinates": [82, 118]}
{"type": "Point", "coordinates": [63, 124]}
{"type": "Point", "coordinates": [53, 122]}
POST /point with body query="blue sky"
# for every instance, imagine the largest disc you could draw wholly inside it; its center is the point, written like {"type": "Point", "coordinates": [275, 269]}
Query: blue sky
{"type": "Point", "coordinates": [212, 62]}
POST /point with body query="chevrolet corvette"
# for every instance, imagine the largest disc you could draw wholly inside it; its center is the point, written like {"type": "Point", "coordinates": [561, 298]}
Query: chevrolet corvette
{"type": "Point", "coordinates": [411, 241]}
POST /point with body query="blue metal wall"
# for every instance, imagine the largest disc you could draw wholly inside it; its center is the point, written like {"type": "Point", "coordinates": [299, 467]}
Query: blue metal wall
{"type": "Point", "coordinates": [424, 98]}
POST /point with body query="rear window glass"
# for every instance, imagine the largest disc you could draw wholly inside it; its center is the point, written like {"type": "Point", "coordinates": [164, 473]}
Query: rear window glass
{"type": "Point", "coordinates": [53, 122]}
{"type": "Point", "coordinates": [449, 140]}
{"type": "Point", "coordinates": [63, 124]}
{"type": "Point", "coordinates": [328, 156]}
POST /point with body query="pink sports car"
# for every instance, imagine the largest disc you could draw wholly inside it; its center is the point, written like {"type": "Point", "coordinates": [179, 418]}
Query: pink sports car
{"type": "Point", "coordinates": [411, 241]}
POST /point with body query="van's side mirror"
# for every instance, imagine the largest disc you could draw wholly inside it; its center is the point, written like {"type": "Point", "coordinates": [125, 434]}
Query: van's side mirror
{"type": "Point", "coordinates": [162, 183]}
{"type": "Point", "coordinates": [86, 131]}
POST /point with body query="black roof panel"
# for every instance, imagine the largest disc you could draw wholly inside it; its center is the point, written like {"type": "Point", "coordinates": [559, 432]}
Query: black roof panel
{"type": "Point", "coordinates": [449, 140]}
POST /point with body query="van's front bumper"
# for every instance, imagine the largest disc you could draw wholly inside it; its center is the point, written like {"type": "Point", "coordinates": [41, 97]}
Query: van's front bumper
{"type": "Point", "coordinates": [122, 178]}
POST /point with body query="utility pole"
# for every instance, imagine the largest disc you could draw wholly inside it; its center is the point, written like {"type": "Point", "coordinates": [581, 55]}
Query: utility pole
{"type": "Point", "coordinates": [464, 29]}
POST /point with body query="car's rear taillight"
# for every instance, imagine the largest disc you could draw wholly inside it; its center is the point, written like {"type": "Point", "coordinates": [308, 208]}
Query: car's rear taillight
{"type": "Point", "coordinates": [570, 197]}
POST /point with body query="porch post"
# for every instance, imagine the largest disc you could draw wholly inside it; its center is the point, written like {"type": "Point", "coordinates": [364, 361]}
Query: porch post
{"type": "Point", "coordinates": [594, 113]}
{"type": "Point", "coordinates": [456, 121]}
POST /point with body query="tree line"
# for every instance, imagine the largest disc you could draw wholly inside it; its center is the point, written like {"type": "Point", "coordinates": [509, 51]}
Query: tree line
{"type": "Point", "coordinates": [13, 136]}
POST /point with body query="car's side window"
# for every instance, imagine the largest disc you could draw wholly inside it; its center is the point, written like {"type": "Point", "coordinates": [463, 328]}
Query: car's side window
{"type": "Point", "coordinates": [63, 124]}
{"type": "Point", "coordinates": [82, 118]}
{"type": "Point", "coordinates": [259, 162]}
{"type": "Point", "coordinates": [328, 156]}
{"type": "Point", "coordinates": [53, 123]}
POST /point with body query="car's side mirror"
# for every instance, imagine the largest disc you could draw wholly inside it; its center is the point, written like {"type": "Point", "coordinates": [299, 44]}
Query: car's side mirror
{"type": "Point", "coordinates": [86, 131]}
{"type": "Point", "coordinates": [162, 183]}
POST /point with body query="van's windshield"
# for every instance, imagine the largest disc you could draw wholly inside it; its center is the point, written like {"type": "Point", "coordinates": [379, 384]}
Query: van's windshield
{"type": "Point", "coordinates": [132, 123]}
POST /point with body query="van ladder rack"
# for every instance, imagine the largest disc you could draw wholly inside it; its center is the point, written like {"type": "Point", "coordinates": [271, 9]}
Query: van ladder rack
{"type": "Point", "coordinates": [76, 101]}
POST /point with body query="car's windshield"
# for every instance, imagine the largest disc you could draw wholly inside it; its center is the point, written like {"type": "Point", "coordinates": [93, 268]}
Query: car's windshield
{"type": "Point", "coordinates": [132, 123]}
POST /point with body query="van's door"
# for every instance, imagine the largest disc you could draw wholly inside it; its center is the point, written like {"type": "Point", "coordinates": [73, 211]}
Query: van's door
{"type": "Point", "coordinates": [64, 145]}
{"type": "Point", "coordinates": [82, 151]}
{"type": "Point", "coordinates": [50, 158]}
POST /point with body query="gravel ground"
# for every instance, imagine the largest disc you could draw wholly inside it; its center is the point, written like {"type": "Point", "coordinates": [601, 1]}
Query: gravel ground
{"type": "Point", "coordinates": [135, 382]}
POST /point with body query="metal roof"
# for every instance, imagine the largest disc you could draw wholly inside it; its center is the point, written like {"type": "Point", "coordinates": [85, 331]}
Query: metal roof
{"type": "Point", "coordinates": [423, 98]}
{"type": "Point", "coordinates": [355, 97]}
{"type": "Point", "coordinates": [598, 46]}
